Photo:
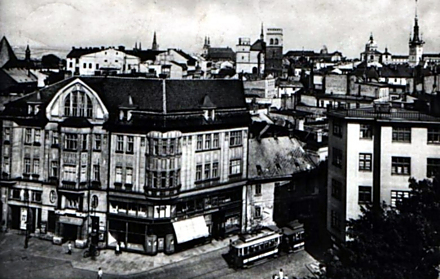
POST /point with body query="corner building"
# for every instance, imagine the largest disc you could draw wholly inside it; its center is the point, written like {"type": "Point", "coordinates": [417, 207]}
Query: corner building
{"type": "Point", "coordinates": [373, 151]}
{"type": "Point", "coordinates": [156, 165]}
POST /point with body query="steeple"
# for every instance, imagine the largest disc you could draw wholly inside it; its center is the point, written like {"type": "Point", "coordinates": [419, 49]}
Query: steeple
{"type": "Point", "coordinates": [154, 46]}
{"type": "Point", "coordinates": [262, 32]}
{"type": "Point", "coordinates": [415, 43]}
{"type": "Point", "coordinates": [135, 45]}
{"type": "Point", "coordinates": [140, 45]}
{"type": "Point", "coordinates": [28, 54]}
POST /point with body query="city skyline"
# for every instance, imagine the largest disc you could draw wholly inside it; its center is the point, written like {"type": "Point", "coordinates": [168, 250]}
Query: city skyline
{"type": "Point", "coordinates": [339, 25]}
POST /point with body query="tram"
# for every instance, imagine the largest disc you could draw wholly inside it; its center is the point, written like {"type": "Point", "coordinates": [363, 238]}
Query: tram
{"type": "Point", "coordinates": [254, 246]}
{"type": "Point", "coordinates": [293, 237]}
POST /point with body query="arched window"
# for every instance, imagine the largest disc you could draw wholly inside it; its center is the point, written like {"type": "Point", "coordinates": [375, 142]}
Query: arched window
{"type": "Point", "coordinates": [276, 41]}
{"type": "Point", "coordinates": [78, 104]}
{"type": "Point", "coordinates": [271, 41]}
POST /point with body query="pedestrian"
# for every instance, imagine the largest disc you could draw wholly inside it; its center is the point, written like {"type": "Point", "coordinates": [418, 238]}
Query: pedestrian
{"type": "Point", "coordinates": [69, 247]}
{"type": "Point", "coordinates": [118, 249]}
{"type": "Point", "coordinates": [99, 273]}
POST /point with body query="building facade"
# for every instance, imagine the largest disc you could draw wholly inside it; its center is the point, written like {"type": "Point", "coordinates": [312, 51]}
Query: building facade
{"type": "Point", "coordinates": [141, 162]}
{"type": "Point", "coordinates": [372, 154]}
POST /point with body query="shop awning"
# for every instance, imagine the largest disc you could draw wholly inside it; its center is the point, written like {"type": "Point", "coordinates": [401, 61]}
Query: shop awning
{"type": "Point", "coordinates": [71, 220]}
{"type": "Point", "coordinates": [190, 229]}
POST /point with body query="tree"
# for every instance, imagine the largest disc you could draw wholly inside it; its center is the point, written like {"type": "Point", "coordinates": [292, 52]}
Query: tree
{"type": "Point", "coordinates": [393, 243]}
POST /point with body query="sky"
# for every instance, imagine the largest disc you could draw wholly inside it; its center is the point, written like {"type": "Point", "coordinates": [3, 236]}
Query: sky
{"type": "Point", "coordinates": [343, 25]}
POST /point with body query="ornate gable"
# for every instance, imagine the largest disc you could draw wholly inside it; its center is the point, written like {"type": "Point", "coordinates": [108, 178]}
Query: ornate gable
{"type": "Point", "coordinates": [76, 100]}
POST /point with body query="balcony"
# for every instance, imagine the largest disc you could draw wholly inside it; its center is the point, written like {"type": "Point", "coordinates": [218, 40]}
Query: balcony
{"type": "Point", "coordinates": [162, 193]}
{"type": "Point", "coordinates": [72, 185]}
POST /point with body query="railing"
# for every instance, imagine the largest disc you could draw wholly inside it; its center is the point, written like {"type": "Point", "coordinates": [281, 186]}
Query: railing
{"type": "Point", "coordinates": [379, 114]}
{"type": "Point", "coordinates": [72, 185]}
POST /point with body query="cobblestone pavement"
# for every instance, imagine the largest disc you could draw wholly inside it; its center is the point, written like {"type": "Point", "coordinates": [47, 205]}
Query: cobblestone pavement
{"type": "Point", "coordinates": [42, 259]}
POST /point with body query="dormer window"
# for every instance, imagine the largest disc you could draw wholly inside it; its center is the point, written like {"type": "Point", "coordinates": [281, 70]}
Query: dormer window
{"type": "Point", "coordinates": [78, 104]}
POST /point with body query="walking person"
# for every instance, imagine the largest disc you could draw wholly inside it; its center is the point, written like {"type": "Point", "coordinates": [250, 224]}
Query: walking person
{"type": "Point", "coordinates": [69, 248]}
{"type": "Point", "coordinates": [99, 273]}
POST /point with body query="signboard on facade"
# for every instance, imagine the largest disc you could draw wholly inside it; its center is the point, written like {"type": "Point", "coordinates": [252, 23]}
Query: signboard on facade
{"type": "Point", "coordinates": [71, 220]}
{"type": "Point", "coordinates": [23, 218]}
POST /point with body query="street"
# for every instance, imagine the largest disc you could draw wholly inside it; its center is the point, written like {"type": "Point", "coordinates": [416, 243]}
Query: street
{"type": "Point", "coordinates": [44, 260]}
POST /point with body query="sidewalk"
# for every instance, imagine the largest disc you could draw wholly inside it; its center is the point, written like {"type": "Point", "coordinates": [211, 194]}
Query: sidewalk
{"type": "Point", "coordinates": [123, 264]}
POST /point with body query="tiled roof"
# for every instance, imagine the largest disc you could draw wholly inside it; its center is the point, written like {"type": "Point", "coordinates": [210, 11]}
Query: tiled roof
{"type": "Point", "coordinates": [259, 45]}
{"type": "Point", "coordinates": [78, 52]}
{"type": "Point", "coordinates": [6, 52]}
{"type": "Point", "coordinates": [149, 95]}
{"type": "Point", "coordinates": [145, 55]}
{"type": "Point", "coordinates": [221, 53]}
{"type": "Point", "coordinates": [276, 157]}
{"type": "Point", "coordinates": [396, 71]}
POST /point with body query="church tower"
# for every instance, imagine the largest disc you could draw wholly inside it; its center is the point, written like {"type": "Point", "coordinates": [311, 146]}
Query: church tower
{"type": "Point", "coordinates": [415, 44]}
{"type": "Point", "coordinates": [154, 46]}
{"type": "Point", "coordinates": [274, 52]}
{"type": "Point", "coordinates": [28, 54]}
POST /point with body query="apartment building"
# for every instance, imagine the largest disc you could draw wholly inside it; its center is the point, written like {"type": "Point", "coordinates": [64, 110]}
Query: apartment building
{"type": "Point", "coordinates": [155, 165]}
{"type": "Point", "coordinates": [372, 154]}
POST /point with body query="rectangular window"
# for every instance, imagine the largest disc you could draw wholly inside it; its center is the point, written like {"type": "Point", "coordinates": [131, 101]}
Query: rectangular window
{"type": "Point", "coordinates": [335, 221]}
{"type": "Point", "coordinates": [36, 166]}
{"type": "Point", "coordinates": [199, 142]}
{"type": "Point", "coordinates": [207, 171]}
{"type": "Point", "coordinates": [7, 134]}
{"type": "Point", "coordinates": [401, 165]}
{"type": "Point", "coordinates": [27, 165]}
{"type": "Point", "coordinates": [215, 173]}
{"type": "Point", "coordinates": [366, 131]}
{"type": "Point", "coordinates": [257, 212]}
{"type": "Point", "coordinates": [337, 129]}
{"type": "Point", "coordinates": [28, 136]}
{"type": "Point", "coordinates": [84, 65]}
{"type": "Point", "coordinates": [336, 189]}
{"type": "Point", "coordinates": [364, 194]}
{"type": "Point", "coordinates": [118, 176]}
{"type": "Point", "coordinates": [434, 135]}
{"type": "Point", "coordinates": [84, 142]}
{"type": "Point", "coordinates": [198, 172]}
{"type": "Point", "coordinates": [235, 167]}
{"type": "Point", "coordinates": [365, 161]}
{"type": "Point", "coordinates": [155, 147]}
{"type": "Point", "coordinates": [401, 134]}
{"type": "Point", "coordinates": [70, 173]}
{"type": "Point", "coordinates": [83, 176]}
{"type": "Point", "coordinates": [258, 189]}
{"type": "Point", "coordinates": [208, 141]}
{"type": "Point", "coordinates": [398, 196]}
{"type": "Point", "coordinates": [55, 138]}
{"type": "Point", "coordinates": [96, 173]}
{"type": "Point", "coordinates": [71, 142]}
{"type": "Point", "coordinates": [171, 179]}
{"type": "Point", "coordinates": [97, 66]}
{"type": "Point", "coordinates": [129, 176]}
{"type": "Point", "coordinates": [97, 143]}
{"type": "Point", "coordinates": [235, 138]}
{"type": "Point", "coordinates": [119, 143]}
{"type": "Point", "coordinates": [36, 196]}
{"type": "Point", "coordinates": [163, 179]}
{"type": "Point", "coordinates": [164, 143]}
{"type": "Point", "coordinates": [433, 167]}
{"type": "Point", "coordinates": [215, 142]}
{"type": "Point", "coordinates": [6, 165]}
{"type": "Point", "coordinates": [130, 144]}
{"type": "Point", "coordinates": [54, 169]}
{"type": "Point", "coordinates": [37, 135]}
{"type": "Point", "coordinates": [337, 157]}
{"type": "Point", "coordinates": [172, 146]}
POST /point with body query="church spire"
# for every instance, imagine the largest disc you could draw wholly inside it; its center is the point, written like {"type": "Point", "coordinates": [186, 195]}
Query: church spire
{"type": "Point", "coordinates": [154, 46]}
{"type": "Point", "coordinates": [28, 54]}
{"type": "Point", "coordinates": [262, 32]}
{"type": "Point", "coordinates": [416, 37]}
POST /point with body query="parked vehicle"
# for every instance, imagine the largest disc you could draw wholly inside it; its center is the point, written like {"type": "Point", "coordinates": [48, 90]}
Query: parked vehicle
{"type": "Point", "coordinates": [92, 251]}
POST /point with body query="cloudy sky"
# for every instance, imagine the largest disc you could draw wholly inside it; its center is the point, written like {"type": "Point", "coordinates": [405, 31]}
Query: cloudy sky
{"type": "Point", "coordinates": [343, 25]}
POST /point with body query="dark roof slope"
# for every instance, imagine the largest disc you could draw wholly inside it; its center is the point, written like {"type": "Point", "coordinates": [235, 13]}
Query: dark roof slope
{"type": "Point", "coordinates": [184, 95]}
{"type": "Point", "coordinates": [145, 55]}
{"type": "Point", "coordinates": [78, 52]}
{"type": "Point", "coordinates": [6, 52]}
{"type": "Point", "coordinates": [216, 53]}
{"type": "Point", "coordinates": [258, 45]}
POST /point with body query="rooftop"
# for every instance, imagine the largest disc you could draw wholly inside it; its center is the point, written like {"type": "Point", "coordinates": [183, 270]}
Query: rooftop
{"type": "Point", "coordinates": [383, 113]}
